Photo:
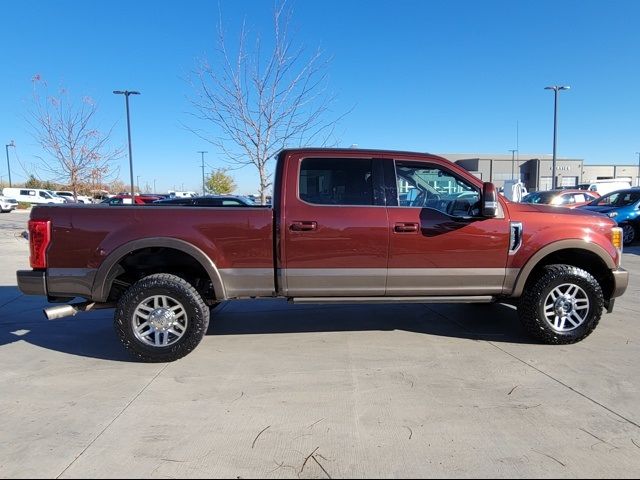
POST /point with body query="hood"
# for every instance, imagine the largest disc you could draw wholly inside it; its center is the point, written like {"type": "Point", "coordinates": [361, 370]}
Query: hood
{"type": "Point", "coordinates": [534, 208]}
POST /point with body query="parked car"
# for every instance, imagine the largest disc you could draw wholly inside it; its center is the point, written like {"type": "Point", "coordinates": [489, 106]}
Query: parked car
{"type": "Point", "coordinates": [570, 198]}
{"type": "Point", "coordinates": [607, 185]}
{"type": "Point", "coordinates": [32, 195]}
{"type": "Point", "coordinates": [126, 200]}
{"type": "Point", "coordinates": [622, 206]}
{"type": "Point", "coordinates": [69, 195]}
{"type": "Point", "coordinates": [7, 204]}
{"type": "Point", "coordinates": [207, 201]}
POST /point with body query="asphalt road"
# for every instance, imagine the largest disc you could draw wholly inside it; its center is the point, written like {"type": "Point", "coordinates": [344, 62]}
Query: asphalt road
{"type": "Point", "coordinates": [284, 391]}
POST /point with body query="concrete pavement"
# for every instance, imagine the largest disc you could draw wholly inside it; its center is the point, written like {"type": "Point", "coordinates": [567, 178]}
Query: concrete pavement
{"type": "Point", "coordinates": [286, 391]}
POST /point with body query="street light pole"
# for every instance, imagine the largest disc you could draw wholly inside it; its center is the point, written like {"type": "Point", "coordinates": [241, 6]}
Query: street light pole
{"type": "Point", "coordinates": [556, 89]}
{"type": "Point", "coordinates": [202, 153]}
{"type": "Point", "coordinates": [126, 94]}
{"type": "Point", "coordinates": [6, 147]}
{"type": "Point", "coordinates": [513, 153]}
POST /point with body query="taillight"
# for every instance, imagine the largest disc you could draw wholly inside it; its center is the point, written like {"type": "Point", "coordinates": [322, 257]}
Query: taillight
{"type": "Point", "coordinates": [39, 238]}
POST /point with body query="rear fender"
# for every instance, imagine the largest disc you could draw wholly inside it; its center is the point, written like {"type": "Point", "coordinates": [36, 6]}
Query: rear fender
{"type": "Point", "coordinates": [110, 268]}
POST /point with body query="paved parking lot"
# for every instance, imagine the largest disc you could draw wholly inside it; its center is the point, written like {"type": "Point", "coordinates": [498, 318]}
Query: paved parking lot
{"type": "Point", "coordinates": [276, 390]}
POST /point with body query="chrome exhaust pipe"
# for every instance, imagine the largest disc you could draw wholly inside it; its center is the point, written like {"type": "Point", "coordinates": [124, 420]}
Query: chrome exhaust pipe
{"type": "Point", "coordinates": [62, 311]}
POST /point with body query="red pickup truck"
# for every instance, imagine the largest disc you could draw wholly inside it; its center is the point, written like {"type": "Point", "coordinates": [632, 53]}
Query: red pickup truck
{"type": "Point", "coordinates": [346, 226]}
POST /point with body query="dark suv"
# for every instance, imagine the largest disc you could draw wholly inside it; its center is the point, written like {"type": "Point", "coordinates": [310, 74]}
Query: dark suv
{"type": "Point", "coordinates": [207, 201]}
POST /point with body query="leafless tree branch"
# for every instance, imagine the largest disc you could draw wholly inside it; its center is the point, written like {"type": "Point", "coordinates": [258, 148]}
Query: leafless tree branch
{"type": "Point", "coordinates": [76, 153]}
{"type": "Point", "coordinates": [258, 102]}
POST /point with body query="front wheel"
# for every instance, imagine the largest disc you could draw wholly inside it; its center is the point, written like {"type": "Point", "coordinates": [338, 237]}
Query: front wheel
{"type": "Point", "coordinates": [628, 233]}
{"type": "Point", "coordinates": [563, 305]}
{"type": "Point", "coordinates": [161, 318]}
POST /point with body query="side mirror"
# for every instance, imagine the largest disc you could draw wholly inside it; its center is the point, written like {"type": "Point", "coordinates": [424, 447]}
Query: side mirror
{"type": "Point", "coordinates": [489, 200]}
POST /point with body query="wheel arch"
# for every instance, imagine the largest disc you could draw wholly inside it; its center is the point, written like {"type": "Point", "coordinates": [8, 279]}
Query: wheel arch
{"type": "Point", "coordinates": [573, 252]}
{"type": "Point", "coordinates": [110, 267]}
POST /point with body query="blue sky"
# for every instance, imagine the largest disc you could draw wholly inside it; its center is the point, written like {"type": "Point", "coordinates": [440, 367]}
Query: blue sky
{"type": "Point", "coordinates": [437, 76]}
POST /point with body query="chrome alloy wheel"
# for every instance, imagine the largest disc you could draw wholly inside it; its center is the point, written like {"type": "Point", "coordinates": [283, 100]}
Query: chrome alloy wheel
{"type": "Point", "coordinates": [566, 307]}
{"type": "Point", "coordinates": [159, 321]}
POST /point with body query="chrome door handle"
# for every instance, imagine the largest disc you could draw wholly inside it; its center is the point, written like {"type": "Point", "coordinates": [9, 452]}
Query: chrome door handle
{"type": "Point", "coordinates": [406, 228]}
{"type": "Point", "coordinates": [303, 226]}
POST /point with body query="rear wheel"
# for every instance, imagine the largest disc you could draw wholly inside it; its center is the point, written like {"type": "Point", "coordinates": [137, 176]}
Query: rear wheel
{"type": "Point", "coordinates": [562, 305]}
{"type": "Point", "coordinates": [161, 318]}
{"type": "Point", "coordinates": [628, 233]}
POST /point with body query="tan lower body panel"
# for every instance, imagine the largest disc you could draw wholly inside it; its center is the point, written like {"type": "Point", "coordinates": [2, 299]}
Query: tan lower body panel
{"type": "Point", "coordinates": [369, 282]}
{"type": "Point", "coordinates": [445, 281]}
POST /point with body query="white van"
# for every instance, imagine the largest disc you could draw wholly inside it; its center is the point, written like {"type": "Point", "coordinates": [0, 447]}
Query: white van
{"type": "Point", "coordinates": [32, 195]}
{"type": "Point", "coordinates": [606, 186]}
{"type": "Point", "coordinates": [174, 194]}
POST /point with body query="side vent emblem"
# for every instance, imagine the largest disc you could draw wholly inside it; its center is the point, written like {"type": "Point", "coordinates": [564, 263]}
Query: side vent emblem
{"type": "Point", "coordinates": [515, 237]}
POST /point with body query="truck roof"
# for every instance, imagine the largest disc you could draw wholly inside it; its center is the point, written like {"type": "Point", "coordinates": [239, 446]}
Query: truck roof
{"type": "Point", "coordinates": [366, 151]}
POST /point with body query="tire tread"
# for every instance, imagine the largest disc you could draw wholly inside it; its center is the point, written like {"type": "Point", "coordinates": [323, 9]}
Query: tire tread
{"type": "Point", "coordinates": [198, 323]}
{"type": "Point", "coordinates": [533, 295]}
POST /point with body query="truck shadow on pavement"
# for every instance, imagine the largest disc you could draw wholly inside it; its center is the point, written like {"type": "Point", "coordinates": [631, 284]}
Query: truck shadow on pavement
{"type": "Point", "coordinates": [494, 322]}
{"type": "Point", "coordinates": [92, 335]}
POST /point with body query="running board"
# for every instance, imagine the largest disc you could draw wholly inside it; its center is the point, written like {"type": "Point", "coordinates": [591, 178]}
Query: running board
{"type": "Point", "coordinates": [343, 300]}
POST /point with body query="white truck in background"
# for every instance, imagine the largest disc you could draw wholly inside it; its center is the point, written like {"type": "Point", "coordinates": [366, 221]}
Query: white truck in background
{"type": "Point", "coordinates": [32, 195]}
{"type": "Point", "coordinates": [607, 185]}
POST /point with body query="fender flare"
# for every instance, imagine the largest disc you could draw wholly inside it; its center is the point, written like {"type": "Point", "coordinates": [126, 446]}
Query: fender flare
{"type": "Point", "coordinates": [535, 259]}
{"type": "Point", "coordinates": [109, 269]}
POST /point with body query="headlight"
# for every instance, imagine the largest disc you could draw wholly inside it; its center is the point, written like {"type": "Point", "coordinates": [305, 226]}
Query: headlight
{"type": "Point", "coordinates": [612, 214]}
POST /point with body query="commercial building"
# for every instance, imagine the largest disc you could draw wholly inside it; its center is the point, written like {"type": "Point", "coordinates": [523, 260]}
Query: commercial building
{"type": "Point", "coordinates": [535, 170]}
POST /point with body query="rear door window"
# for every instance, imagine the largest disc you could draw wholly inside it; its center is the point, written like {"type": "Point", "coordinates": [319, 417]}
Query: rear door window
{"type": "Point", "coordinates": [336, 181]}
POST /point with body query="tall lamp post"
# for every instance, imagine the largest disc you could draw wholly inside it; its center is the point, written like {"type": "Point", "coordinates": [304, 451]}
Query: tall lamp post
{"type": "Point", "coordinates": [513, 160]}
{"type": "Point", "coordinates": [202, 153]}
{"type": "Point", "coordinates": [556, 89]}
{"type": "Point", "coordinates": [6, 147]}
{"type": "Point", "coordinates": [126, 94]}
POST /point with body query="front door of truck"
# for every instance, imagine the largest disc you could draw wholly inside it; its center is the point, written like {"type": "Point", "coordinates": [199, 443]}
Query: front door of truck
{"type": "Point", "coordinates": [334, 227]}
{"type": "Point", "coordinates": [440, 245]}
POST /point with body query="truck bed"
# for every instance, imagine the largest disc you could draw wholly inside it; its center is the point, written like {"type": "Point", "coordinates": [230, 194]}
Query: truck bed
{"type": "Point", "coordinates": [239, 241]}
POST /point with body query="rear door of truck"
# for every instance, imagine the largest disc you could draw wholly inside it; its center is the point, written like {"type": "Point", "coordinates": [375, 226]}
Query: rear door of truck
{"type": "Point", "coordinates": [334, 227]}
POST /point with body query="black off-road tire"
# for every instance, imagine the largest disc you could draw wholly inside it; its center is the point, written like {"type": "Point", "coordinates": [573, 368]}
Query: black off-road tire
{"type": "Point", "coordinates": [171, 286]}
{"type": "Point", "coordinates": [531, 305]}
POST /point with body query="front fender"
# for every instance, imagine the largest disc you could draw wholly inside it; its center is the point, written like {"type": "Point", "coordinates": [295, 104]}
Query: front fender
{"type": "Point", "coordinates": [609, 258]}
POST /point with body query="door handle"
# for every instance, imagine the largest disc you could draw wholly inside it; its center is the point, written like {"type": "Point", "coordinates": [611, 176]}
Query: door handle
{"type": "Point", "coordinates": [303, 226]}
{"type": "Point", "coordinates": [406, 228]}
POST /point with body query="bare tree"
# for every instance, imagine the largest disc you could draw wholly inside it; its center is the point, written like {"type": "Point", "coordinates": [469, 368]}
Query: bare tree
{"type": "Point", "coordinates": [77, 153]}
{"type": "Point", "coordinates": [262, 103]}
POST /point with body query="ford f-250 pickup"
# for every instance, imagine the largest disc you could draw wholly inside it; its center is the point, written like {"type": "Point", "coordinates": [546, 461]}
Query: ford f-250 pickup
{"type": "Point", "coordinates": [346, 226]}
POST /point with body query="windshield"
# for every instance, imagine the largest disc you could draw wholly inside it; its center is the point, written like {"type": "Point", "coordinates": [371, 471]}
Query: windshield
{"type": "Point", "coordinates": [622, 198]}
{"type": "Point", "coordinates": [539, 197]}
